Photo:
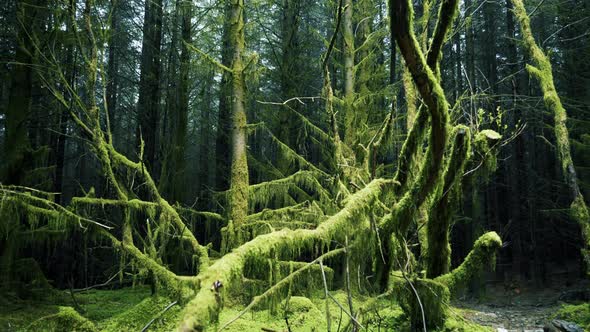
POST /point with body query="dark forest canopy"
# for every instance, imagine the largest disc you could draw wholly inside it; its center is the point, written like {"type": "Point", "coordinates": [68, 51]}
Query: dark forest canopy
{"type": "Point", "coordinates": [341, 164]}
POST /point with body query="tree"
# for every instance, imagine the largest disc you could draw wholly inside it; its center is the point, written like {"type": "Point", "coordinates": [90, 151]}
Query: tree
{"type": "Point", "coordinates": [542, 71]}
{"type": "Point", "coordinates": [238, 200]}
{"type": "Point", "coordinates": [148, 104]}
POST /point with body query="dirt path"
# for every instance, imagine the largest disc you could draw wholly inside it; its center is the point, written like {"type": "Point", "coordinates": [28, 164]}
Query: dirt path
{"type": "Point", "coordinates": [511, 317]}
{"type": "Point", "coordinates": [517, 309]}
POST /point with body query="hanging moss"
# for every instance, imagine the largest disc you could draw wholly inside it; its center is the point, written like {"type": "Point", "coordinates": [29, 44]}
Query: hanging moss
{"type": "Point", "coordinates": [484, 161]}
{"type": "Point", "coordinates": [291, 158]}
{"type": "Point", "coordinates": [282, 192]}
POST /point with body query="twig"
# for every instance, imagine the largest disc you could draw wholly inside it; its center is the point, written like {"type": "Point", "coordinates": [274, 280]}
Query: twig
{"type": "Point", "coordinates": [209, 58]}
{"type": "Point", "coordinates": [326, 293]}
{"type": "Point", "coordinates": [333, 40]}
{"type": "Point", "coordinates": [95, 286]}
{"type": "Point", "coordinates": [413, 289]}
{"type": "Point", "coordinates": [348, 291]}
{"type": "Point", "coordinates": [346, 312]}
{"type": "Point", "coordinates": [158, 316]}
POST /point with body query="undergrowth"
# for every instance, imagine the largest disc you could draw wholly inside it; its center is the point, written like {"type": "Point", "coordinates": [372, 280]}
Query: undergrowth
{"type": "Point", "coordinates": [130, 309]}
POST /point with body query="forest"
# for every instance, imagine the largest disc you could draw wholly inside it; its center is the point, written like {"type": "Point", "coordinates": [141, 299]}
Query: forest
{"type": "Point", "coordinates": [294, 165]}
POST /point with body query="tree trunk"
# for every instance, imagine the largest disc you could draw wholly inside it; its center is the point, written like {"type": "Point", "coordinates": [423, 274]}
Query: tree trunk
{"type": "Point", "coordinates": [222, 141]}
{"type": "Point", "coordinates": [289, 74]}
{"type": "Point", "coordinates": [149, 84]}
{"type": "Point", "coordinates": [348, 61]}
{"type": "Point", "coordinates": [238, 201]}
{"type": "Point", "coordinates": [112, 89]}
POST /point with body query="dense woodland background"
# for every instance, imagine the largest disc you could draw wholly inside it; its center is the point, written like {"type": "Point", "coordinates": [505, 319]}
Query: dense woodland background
{"type": "Point", "coordinates": [160, 82]}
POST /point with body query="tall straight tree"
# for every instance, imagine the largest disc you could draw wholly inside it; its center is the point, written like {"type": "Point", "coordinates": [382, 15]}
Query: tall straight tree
{"type": "Point", "coordinates": [149, 82]}
{"type": "Point", "coordinates": [289, 61]}
{"type": "Point", "coordinates": [348, 61]}
{"type": "Point", "coordinates": [113, 65]}
{"type": "Point", "coordinates": [177, 105]}
{"type": "Point", "coordinates": [238, 201]}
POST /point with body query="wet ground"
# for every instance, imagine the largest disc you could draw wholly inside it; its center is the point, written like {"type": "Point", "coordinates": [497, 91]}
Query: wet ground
{"type": "Point", "coordinates": [518, 309]}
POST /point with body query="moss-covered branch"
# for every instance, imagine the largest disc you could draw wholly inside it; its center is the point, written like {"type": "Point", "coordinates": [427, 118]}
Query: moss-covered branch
{"type": "Point", "coordinates": [483, 254]}
{"type": "Point", "coordinates": [205, 307]}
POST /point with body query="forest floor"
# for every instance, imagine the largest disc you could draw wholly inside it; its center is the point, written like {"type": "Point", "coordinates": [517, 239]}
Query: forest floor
{"type": "Point", "coordinates": [529, 309]}
{"type": "Point", "coordinates": [130, 309]}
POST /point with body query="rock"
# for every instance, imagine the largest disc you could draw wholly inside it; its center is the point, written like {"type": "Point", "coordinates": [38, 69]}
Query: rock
{"type": "Point", "coordinates": [557, 325]}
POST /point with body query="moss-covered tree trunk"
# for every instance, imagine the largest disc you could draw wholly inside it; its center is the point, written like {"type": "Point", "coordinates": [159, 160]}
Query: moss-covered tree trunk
{"type": "Point", "coordinates": [542, 71]}
{"type": "Point", "coordinates": [348, 62]}
{"type": "Point", "coordinates": [238, 200]}
{"type": "Point", "coordinates": [439, 221]}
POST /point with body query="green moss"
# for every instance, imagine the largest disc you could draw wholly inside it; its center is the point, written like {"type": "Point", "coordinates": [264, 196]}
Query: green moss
{"type": "Point", "coordinates": [66, 319]}
{"type": "Point", "coordinates": [136, 317]}
{"type": "Point", "coordinates": [460, 324]}
{"type": "Point", "coordinates": [576, 313]}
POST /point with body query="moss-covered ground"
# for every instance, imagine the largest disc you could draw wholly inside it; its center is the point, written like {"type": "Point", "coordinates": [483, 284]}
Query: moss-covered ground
{"type": "Point", "coordinates": [130, 309]}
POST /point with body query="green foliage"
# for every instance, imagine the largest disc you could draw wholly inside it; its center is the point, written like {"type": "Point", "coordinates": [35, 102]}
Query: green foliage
{"type": "Point", "coordinates": [576, 313]}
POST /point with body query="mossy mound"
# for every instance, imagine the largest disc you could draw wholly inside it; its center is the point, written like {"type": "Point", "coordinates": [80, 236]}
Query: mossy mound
{"type": "Point", "coordinates": [66, 319]}
{"type": "Point", "coordinates": [138, 316]}
{"type": "Point", "coordinates": [301, 312]}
